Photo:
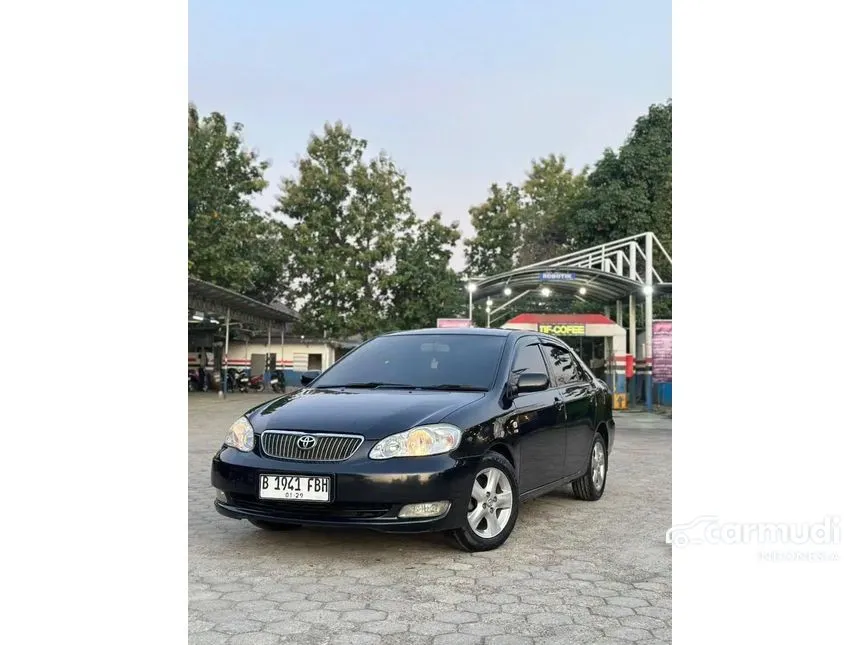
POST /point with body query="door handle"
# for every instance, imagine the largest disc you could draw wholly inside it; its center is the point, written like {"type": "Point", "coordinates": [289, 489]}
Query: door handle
{"type": "Point", "coordinates": [559, 403]}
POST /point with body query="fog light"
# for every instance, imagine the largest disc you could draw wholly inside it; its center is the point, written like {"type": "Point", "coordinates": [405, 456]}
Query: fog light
{"type": "Point", "coordinates": [220, 496]}
{"type": "Point", "coordinates": [427, 509]}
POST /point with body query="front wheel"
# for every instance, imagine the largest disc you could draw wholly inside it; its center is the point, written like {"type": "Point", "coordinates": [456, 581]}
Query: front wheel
{"type": "Point", "coordinates": [494, 503]}
{"type": "Point", "coordinates": [590, 486]}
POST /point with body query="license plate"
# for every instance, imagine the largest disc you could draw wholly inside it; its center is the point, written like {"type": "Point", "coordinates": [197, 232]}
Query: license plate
{"type": "Point", "coordinates": [295, 487]}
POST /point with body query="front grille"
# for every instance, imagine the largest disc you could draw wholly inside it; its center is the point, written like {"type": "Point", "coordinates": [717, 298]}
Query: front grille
{"type": "Point", "coordinates": [310, 510]}
{"type": "Point", "coordinates": [283, 444]}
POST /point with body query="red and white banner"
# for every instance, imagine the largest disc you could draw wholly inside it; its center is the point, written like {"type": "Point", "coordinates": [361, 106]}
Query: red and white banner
{"type": "Point", "coordinates": [661, 351]}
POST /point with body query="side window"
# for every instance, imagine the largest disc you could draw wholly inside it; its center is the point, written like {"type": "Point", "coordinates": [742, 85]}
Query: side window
{"type": "Point", "coordinates": [529, 359]}
{"type": "Point", "coordinates": [584, 373]}
{"type": "Point", "coordinates": [563, 365]}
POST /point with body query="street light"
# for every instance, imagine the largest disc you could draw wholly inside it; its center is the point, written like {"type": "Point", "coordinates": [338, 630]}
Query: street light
{"type": "Point", "coordinates": [582, 291]}
{"type": "Point", "coordinates": [489, 310]}
{"type": "Point", "coordinates": [647, 289]}
{"type": "Point", "coordinates": [545, 292]}
{"type": "Point", "coordinates": [508, 291]}
{"type": "Point", "coordinates": [471, 289]}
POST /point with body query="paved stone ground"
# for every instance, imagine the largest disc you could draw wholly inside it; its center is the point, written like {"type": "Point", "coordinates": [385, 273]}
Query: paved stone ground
{"type": "Point", "coordinates": [571, 572]}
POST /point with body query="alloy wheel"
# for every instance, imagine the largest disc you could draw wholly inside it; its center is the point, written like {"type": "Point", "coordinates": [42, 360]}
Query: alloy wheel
{"type": "Point", "coordinates": [491, 503]}
{"type": "Point", "coordinates": [598, 465]}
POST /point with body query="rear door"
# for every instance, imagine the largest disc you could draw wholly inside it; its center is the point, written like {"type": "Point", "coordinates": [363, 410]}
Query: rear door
{"type": "Point", "coordinates": [576, 392]}
{"type": "Point", "coordinates": [542, 439]}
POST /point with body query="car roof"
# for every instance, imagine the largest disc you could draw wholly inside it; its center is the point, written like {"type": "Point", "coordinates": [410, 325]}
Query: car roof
{"type": "Point", "coordinates": [478, 331]}
{"type": "Point", "coordinates": [471, 331]}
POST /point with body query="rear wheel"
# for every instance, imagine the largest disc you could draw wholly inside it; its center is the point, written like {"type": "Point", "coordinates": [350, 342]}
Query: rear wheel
{"type": "Point", "coordinates": [591, 485]}
{"type": "Point", "coordinates": [494, 503]}
{"type": "Point", "coordinates": [274, 526]}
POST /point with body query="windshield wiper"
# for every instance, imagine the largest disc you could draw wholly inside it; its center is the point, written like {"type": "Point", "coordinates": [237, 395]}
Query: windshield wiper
{"type": "Point", "coordinates": [455, 386]}
{"type": "Point", "coordinates": [371, 385]}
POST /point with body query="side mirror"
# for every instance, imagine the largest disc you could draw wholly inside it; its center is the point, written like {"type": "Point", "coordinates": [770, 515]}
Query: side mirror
{"type": "Point", "coordinates": [531, 382]}
{"type": "Point", "coordinates": [307, 377]}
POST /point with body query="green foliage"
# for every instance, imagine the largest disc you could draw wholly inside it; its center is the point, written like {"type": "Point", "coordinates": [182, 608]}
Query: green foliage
{"type": "Point", "coordinates": [230, 243]}
{"type": "Point", "coordinates": [630, 191]}
{"type": "Point", "coordinates": [552, 193]}
{"type": "Point", "coordinates": [519, 225]}
{"type": "Point", "coordinates": [350, 253]}
{"type": "Point", "coordinates": [423, 287]}
{"type": "Point", "coordinates": [498, 227]}
{"type": "Point", "coordinates": [343, 214]}
{"type": "Point", "coordinates": [556, 210]}
{"type": "Point", "coordinates": [361, 261]}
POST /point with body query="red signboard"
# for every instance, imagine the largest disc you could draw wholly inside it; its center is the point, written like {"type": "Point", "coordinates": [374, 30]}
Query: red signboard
{"type": "Point", "coordinates": [453, 322]}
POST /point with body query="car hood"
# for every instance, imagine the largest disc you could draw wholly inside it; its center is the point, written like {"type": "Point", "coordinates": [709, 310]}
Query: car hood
{"type": "Point", "coordinates": [372, 413]}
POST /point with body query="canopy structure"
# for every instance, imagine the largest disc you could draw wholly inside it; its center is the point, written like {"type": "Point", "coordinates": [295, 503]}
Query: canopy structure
{"type": "Point", "coordinates": [606, 273]}
{"type": "Point", "coordinates": [584, 282]}
{"type": "Point", "coordinates": [209, 304]}
{"type": "Point", "coordinates": [622, 271]}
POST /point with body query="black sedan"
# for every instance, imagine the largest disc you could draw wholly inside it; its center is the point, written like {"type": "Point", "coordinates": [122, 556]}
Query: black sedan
{"type": "Point", "coordinates": [428, 430]}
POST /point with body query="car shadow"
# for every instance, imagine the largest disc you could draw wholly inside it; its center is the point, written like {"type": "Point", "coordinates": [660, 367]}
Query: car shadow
{"type": "Point", "coordinates": [362, 545]}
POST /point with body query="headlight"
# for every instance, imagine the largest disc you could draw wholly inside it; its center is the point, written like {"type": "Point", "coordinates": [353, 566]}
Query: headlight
{"type": "Point", "coordinates": [241, 435]}
{"type": "Point", "coordinates": [421, 441]}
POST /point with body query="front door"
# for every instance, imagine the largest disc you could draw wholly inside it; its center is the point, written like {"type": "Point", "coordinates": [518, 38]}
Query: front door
{"type": "Point", "coordinates": [541, 433]}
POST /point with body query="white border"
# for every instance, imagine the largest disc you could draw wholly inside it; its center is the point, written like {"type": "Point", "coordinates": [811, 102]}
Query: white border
{"type": "Point", "coordinates": [93, 259]}
{"type": "Point", "coordinates": [765, 237]}
{"type": "Point", "coordinates": [765, 148]}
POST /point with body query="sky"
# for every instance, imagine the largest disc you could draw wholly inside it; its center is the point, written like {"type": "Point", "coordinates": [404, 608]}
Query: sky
{"type": "Point", "coordinates": [460, 94]}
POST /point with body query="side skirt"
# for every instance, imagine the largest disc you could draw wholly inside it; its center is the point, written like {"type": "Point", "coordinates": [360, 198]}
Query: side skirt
{"type": "Point", "coordinates": [548, 488]}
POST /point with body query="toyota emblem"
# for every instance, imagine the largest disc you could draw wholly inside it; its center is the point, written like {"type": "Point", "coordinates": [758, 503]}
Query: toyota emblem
{"type": "Point", "coordinates": [307, 442]}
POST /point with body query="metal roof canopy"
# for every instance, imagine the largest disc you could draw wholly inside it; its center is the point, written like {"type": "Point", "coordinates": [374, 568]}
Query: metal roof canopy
{"type": "Point", "coordinates": [615, 271]}
{"type": "Point", "coordinates": [211, 298]}
{"type": "Point", "coordinates": [599, 285]}
{"type": "Point", "coordinates": [609, 272]}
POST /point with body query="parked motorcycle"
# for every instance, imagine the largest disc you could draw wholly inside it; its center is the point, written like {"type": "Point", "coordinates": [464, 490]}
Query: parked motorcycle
{"type": "Point", "coordinates": [240, 381]}
{"type": "Point", "coordinates": [257, 383]}
{"type": "Point", "coordinates": [279, 385]}
{"type": "Point", "coordinates": [195, 384]}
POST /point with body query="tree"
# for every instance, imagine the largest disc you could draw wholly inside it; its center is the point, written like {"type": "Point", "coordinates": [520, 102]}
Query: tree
{"type": "Point", "coordinates": [630, 191]}
{"type": "Point", "coordinates": [230, 243]}
{"type": "Point", "coordinates": [520, 225]}
{"type": "Point", "coordinates": [551, 194]}
{"type": "Point", "coordinates": [346, 219]}
{"type": "Point", "coordinates": [423, 286]}
{"type": "Point", "coordinates": [557, 211]}
{"type": "Point", "coordinates": [498, 232]}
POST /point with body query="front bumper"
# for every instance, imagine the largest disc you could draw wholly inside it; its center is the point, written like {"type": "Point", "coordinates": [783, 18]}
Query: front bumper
{"type": "Point", "coordinates": [366, 493]}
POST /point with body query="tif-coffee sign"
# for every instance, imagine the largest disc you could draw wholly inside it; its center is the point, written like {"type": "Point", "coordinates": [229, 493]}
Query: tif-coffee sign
{"type": "Point", "coordinates": [550, 276]}
{"type": "Point", "coordinates": [562, 329]}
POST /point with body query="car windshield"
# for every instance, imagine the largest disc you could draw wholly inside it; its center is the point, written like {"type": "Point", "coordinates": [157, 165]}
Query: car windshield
{"type": "Point", "coordinates": [430, 361]}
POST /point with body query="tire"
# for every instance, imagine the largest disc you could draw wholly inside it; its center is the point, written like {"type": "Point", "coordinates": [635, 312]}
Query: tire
{"type": "Point", "coordinates": [274, 526]}
{"type": "Point", "coordinates": [469, 537]}
{"type": "Point", "coordinates": [591, 485]}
